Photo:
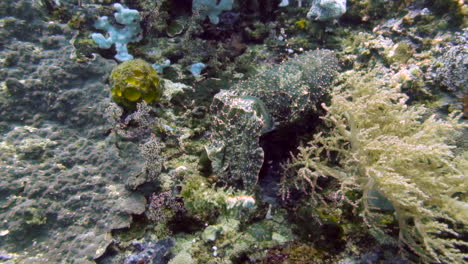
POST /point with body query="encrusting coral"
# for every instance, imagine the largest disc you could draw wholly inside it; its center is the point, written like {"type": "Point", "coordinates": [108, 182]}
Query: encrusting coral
{"type": "Point", "coordinates": [379, 146]}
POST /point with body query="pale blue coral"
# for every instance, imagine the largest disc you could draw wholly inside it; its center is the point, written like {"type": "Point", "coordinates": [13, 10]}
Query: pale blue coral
{"type": "Point", "coordinates": [327, 9]}
{"type": "Point", "coordinates": [211, 8]}
{"type": "Point", "coordinates": [120, 36]}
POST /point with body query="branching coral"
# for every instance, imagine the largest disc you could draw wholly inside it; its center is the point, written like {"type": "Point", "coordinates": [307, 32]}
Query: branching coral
{"type": "Point", "coordinates": [377, 144]}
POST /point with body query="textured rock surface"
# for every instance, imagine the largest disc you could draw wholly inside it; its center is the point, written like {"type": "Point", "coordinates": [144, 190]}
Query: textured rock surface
{"type": "Point", "coordinates": [62, 186]}
{"type": "Point", "coordinates": [453, 70]}
{"type": "Point", "coordinates": [158, 252]}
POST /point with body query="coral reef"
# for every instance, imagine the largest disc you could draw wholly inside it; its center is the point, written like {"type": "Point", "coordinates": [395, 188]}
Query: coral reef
{"type": "Point", "coordinates": [182, 155]}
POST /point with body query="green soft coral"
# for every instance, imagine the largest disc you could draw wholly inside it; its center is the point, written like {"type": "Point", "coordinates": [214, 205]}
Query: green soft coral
{"type": "Point", "coordinates": [401, 152]}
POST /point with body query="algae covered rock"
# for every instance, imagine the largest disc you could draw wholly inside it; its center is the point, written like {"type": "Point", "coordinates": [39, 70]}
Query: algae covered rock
{"type": "Point", "coordinates": [62, 185]}
{"type": "Point", "coordinates": [453, 73]}
{"type": "Point", "coordinates": [135, 81]}
{"type": "Point", "coordinates": [227, 240]}
{"type": "Point", "coordinates": [58, 192]}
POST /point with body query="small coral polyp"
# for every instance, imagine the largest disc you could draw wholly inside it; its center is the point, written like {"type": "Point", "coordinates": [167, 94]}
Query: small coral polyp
{"type": "Point", "coordinates": [135, 81]}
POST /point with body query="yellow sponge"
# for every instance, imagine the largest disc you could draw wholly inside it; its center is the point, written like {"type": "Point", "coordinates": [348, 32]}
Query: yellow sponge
{"type": "Point", "coordinates": [134, 81]}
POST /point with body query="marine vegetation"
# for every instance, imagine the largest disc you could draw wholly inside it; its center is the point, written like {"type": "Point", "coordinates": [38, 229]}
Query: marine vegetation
{"type": "Point", "coordinates": [398, 157]}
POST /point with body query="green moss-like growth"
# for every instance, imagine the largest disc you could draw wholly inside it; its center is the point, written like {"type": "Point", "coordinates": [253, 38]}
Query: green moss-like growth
{"type": "Point", "coordinates": [201, 201]}
{"type": "Point", "coordinates": [301, 23]}
{"type": "Point", "coordinates": [227, 241]}
{"type": "Point", "coordinates": [135, 81]}
{"type": "Point", "coordinates": [379, 146]}
{"type": "Point", "coordinates": [182, 258]}
{"type": "Point", "coordinates": [399, 53]}
{"type": "Point", "coordinates": [206, 203]}
{"type": "Point", "coordinates": [372, 11]}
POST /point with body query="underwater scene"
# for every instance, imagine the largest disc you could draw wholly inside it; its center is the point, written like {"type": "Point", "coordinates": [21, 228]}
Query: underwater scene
{"type": "Point", "coordinates": [233, 131]}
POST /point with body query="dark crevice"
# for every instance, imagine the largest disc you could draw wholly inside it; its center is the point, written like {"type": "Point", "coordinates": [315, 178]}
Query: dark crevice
{"type": "Point", "coordinates": [278, 146]}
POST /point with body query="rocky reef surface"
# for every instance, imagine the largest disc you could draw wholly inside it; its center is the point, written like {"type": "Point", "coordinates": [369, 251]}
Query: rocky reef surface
{"type": "Point", "coordinates": [63, 178]}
